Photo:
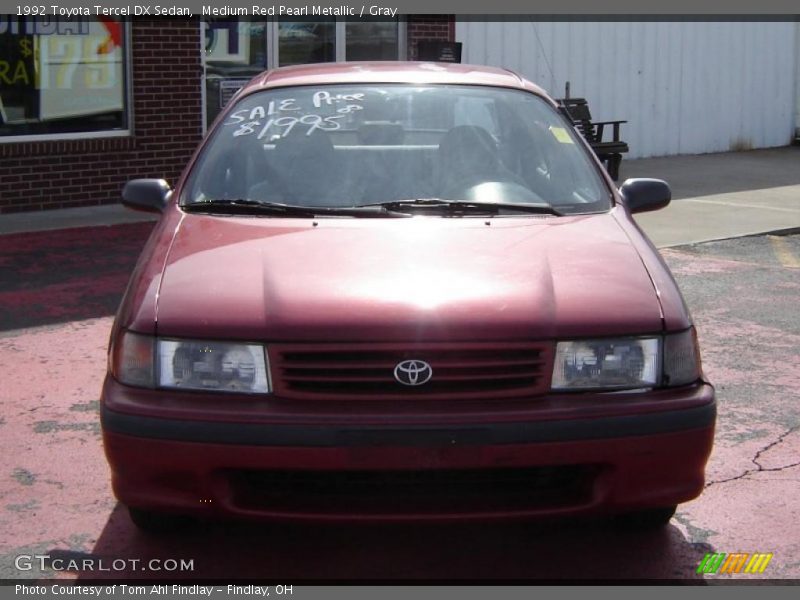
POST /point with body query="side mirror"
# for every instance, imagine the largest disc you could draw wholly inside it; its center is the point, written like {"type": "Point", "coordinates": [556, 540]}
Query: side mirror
{"type": "Point", "coordinates": [149, 195]}
{"type": "Point", "coordinates": [642, 195]}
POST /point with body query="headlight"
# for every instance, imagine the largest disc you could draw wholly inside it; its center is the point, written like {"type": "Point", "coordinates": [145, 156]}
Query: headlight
{"type": "Point", "coordinates": [627, 363]}
{"type": "Point", "coordinates": [616, 363]}
{"type": "Point", "coordinates": [215, 366]}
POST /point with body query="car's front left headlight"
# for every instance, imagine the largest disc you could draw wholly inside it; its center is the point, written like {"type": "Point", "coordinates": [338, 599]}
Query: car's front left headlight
{"type": "Point", "coordinates": [627, 363]}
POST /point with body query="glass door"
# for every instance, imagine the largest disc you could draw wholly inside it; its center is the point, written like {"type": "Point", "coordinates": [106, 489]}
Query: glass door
{"type": "Point", "coordinates": [300, 41]}
{"type": "Point", "coordinates": [373, 39]}
{"type": "Point", "coordinates": [307, 41]}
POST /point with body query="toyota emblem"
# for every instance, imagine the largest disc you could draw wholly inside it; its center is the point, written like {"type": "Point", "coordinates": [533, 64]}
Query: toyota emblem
{"type": "Point", "coordinates": [413, 372]}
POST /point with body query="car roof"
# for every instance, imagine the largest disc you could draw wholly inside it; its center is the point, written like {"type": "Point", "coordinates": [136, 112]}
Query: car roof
{"type": "Point", "coordinates": [390, 72]}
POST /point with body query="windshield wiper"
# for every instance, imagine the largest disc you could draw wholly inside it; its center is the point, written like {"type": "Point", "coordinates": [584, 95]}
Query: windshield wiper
{"type": "Point", "coordinates": [461, 207]}
{"type": "Point", "coordinates": [250, 207]}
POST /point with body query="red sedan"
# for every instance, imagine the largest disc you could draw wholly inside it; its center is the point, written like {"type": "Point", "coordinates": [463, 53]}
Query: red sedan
{"type": "Point", "coordinates": [388, 291]}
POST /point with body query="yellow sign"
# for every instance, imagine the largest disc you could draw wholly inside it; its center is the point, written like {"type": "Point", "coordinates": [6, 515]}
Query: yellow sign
{"type": "Point", "coordinates": [561, 135]}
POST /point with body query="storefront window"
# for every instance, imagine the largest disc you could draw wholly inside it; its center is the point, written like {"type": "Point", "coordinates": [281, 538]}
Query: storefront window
{"type": "Point", "coordinates": [62, 76]}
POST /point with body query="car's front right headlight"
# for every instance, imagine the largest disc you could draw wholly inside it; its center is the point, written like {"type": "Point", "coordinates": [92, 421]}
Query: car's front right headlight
{"type": "Point", "coordinates": [612, 363]}
{"type": "Point", "coordinates": [214, 366]}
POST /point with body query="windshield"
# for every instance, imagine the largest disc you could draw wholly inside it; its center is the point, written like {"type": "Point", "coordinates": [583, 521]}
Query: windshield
{"type": "Point", "coordinates": [355, 145]}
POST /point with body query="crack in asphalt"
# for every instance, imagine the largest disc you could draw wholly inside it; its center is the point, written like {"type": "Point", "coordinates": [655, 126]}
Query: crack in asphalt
{"type": "Point", "coordinates": [759, 467]}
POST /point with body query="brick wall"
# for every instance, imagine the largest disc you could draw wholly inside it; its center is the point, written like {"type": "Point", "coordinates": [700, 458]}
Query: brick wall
{"type": "Point", "coordinates": [429, 27]}
{"type": "Point", "coordinates": [166, 127]}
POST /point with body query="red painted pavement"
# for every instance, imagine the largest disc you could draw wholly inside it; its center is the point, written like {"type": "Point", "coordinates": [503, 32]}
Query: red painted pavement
{"type": "Point", "coordinates": [64, 275]}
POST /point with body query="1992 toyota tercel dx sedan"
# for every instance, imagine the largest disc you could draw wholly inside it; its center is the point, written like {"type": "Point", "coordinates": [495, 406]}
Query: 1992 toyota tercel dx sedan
{"type": "Point", "coordinates": [386, 291]}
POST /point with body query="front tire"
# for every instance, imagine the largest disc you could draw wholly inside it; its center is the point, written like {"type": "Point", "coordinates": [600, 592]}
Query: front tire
{"type": "Point", "coordinates": [155, 522]}
{"type": "Point", "coordinates": [642, 520]}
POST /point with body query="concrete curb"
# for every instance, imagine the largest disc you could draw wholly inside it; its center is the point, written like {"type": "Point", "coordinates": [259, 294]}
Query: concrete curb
{"type": "Point", "coordinates": [776, 232]}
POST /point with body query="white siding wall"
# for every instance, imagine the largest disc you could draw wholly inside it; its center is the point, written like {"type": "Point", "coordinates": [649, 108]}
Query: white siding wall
{"type": "Point", "coordinates": [685, 87]}
{"type": "Point", "coordinates": [797, 80]}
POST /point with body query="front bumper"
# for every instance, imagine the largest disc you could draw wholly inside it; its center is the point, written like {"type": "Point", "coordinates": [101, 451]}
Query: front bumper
{"type": "Point", "coordinates": [405, 468]}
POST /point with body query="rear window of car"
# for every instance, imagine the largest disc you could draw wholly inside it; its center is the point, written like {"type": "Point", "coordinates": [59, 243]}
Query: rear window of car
{"type": "Point", "coordinates": [350, 145]}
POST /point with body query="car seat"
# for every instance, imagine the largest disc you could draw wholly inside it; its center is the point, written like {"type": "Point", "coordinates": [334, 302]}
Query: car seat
{"type": "Point", "coordinates": [301, 169]}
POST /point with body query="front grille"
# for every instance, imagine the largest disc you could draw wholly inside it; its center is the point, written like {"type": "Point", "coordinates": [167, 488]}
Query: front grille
{"type": "Point", "coordinates": [366, 371]}
{"type": "Point", "coordinates": [414, 492]}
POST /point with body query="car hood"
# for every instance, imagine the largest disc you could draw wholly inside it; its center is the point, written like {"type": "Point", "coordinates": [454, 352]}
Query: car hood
{"type": "Point", "coordinates": [419, 278]}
